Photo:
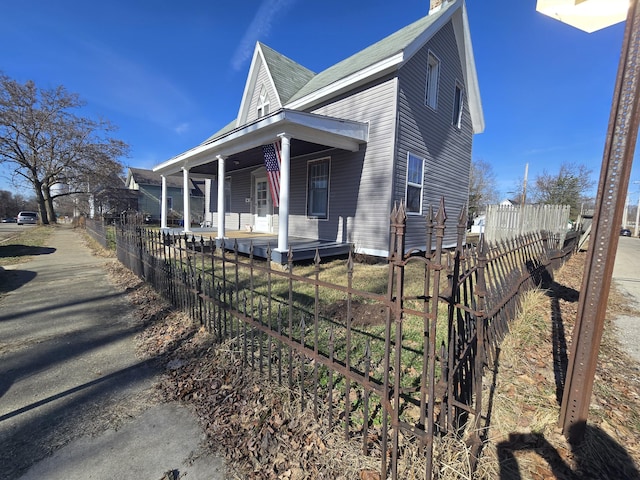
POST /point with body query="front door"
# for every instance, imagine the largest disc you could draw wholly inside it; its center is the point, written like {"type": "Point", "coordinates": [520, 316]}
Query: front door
{"type": "Point", "coordinates": [262, 205]}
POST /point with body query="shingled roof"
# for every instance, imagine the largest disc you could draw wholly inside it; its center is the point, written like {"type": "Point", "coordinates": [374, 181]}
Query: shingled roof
{"type": "Point", "coordinates": [148, 177]}
{"type": "Point", "coordinates": [288, 76]}
{"type": "Point", "coordinates": [294, 83]}
{"type": "Point", "coordinates": [385, 48]}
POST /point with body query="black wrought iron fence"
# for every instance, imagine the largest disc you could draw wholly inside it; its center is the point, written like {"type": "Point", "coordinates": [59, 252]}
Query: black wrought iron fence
{"type": "Point", "coordinates": [398, 362]}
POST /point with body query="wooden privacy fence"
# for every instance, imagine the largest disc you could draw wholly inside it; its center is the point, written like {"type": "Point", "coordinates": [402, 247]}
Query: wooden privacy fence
{"type": "Point", "coordinates": [503, 222]}
{"type": "Point", "coordinates": [408, 379]}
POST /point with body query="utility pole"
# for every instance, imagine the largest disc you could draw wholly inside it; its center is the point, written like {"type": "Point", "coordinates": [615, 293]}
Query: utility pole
{"type": "Point", "coordinates": [524, 184]}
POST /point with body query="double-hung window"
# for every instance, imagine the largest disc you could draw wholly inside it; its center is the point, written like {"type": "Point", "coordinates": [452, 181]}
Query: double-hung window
{"type": "Point", "coordinates": [458, 105]}
{"type": "Point", "coordinates": [415, 175]}
{"type": "Point", "coordinates": [318, 189]}
{"type": "Point", "coordinates": [431, 88]}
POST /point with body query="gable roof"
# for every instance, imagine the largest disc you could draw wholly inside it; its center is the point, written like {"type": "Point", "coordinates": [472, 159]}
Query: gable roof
{"type": "Point", "coordinates": [288, 76]}
{"type": "Point", "coordinates": [391, 53]}
{"type": "Point", "coordinates": [299, 88]}
{"type": "Point", "coordinates": [285, 75]}
{"type": "Point", "coordinates": [142, 176]}
{"type": "Point", "coordinates": [386, 48]}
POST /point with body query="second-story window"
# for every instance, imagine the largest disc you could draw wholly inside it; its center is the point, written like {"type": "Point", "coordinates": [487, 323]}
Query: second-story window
{"type": "Point", "coordinates": [415, 172]}
{"type": "Point", "coordinates": [458, 106]}
{"type": "Point", "coordinates": [431, 88]}
{"type": "Point", "coordinates": [263, 103]}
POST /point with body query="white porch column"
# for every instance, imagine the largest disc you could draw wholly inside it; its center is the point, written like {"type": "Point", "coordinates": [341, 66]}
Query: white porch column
{"type": "Point", "coordinates": [186, 200]}
{"type": "Point", "coordinates": [285, 175]}
{"type": "Point", "coordinates": [163, 203]}
{"type": "Point", "coordinates": [221, 205]}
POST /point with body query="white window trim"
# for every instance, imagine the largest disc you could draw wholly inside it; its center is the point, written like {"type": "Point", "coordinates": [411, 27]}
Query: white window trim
{"type": "Point", "coordinates": [432, 81]}
{"type": "Point", "coordinates": [456, 119]}
{"type": "Point", "coordinates": [408, 184]}
{"type": "Point", "coordinates": [263, 103]}
{"type": "Point", "coordinates": [318, 160]}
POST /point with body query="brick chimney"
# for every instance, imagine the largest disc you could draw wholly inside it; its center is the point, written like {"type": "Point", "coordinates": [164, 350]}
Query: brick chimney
{"type": "Point", "coordinates": [435, 5]}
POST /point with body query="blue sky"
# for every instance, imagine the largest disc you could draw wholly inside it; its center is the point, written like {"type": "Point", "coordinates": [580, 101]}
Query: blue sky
{"type": "Point", "coordinates": [169, 74]}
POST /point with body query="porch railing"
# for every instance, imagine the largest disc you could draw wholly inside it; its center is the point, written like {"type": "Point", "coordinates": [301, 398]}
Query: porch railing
{"type": "Point", "coordinates": [411, 378]}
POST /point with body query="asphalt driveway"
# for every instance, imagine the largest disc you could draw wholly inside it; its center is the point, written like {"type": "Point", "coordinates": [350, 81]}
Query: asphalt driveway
{"type": "Point", "coordinates": [75, 401]}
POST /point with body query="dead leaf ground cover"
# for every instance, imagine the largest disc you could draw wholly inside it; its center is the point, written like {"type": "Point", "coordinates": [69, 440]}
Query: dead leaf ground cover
{"type": "Point", "coordinates": [524, 436]}
{"type": "Point", "coordinates": [265, 432]}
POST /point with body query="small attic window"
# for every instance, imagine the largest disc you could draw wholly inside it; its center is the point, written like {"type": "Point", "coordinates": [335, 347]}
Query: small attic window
{"type": "Point", "coordinates": [458, 101]}
{"type": "Point", "coordinates": [263, 103]}
{"type": "Point", "coordinates": [431, 87]}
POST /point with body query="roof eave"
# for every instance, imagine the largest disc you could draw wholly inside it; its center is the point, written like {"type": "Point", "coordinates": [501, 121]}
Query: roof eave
{"type": "Point", "coordinates": [361, 77]}
{"type": "Point", "coordinates": [337, 133]}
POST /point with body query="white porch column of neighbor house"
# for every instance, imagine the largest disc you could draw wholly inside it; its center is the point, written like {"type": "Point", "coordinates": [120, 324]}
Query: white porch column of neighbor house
{"type": "Point", "coordinates": [285, 175]}
{"type": "Point", "coordinates": [186, 200]}
{"type": "Point", "coordinates": [163, 203]}
{"type": "Point", "coordinates": [221, 205]}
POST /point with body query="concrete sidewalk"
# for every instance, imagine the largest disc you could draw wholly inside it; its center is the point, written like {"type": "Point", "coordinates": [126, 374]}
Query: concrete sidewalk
{"type": "Point", "coordinates": [625, 276]}
{"type": "Point", "coordinates": [75, 402]}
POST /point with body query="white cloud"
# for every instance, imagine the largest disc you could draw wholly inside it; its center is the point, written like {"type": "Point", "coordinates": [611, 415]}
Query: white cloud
{"type": "Point", "coordinates": [259, 28]}
{"type": "Point", "coordinates": [182, 128]}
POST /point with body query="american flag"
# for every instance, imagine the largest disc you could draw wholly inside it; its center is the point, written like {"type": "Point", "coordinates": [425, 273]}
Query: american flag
{"type": "Point", "coordinates": [272, 164]}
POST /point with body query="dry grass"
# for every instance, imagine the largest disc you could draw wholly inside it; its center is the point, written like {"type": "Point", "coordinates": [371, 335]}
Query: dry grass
{"type": "Point", "coordinates": [525, 440]}
{"type": "Point", "coordinates": [266, 432]}
{"type": "Point", "coordinates": [25, 244]}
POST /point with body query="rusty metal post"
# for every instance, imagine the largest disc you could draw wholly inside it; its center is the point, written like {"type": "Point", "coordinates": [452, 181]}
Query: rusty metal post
{"type": "Point", "coordinates": [479, 361]}
{"type": "Point", "coordinates": [614, 180]}
{"type": "Point", "coordinates": [400, 225]}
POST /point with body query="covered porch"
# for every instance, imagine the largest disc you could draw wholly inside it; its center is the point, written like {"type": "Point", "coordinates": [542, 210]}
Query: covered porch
{"type": "Point", "coordinates": [301, 135]}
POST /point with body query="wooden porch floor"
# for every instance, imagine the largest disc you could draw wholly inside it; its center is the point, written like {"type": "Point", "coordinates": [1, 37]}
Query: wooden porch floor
{"type": "Point", "coordinates": [302, 248]}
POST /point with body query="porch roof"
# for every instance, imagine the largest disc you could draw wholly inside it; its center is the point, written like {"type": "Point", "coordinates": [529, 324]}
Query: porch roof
{"type": "Point", "coordinates": [318, 129]}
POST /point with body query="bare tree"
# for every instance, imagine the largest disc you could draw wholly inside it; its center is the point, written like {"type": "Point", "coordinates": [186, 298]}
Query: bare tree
{"type": "Point", "coordinates": [482, 187]}
{"type": "Point", "coordinates": [11, 204]}
{"type": "Point", "coordinates": [568, 187]}
{"type": "Point", "coordinates": [51, 148]}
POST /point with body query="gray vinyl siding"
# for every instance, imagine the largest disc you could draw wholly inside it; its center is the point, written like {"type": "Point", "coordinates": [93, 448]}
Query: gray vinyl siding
{"type": "Point", "coordinates": [240, 189]}
{"type": "Point", "coordinates": [431, 135]}
{"type": "Point", "coordinates": [359, 189]}
{"type": "Point", "coordinates": [343, 197]}
{"type": "Point", "coordinates": [263, 79]}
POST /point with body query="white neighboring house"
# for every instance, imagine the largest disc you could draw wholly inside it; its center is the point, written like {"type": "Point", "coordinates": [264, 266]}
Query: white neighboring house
{"type": "Point", "coordinates": [478, 224]}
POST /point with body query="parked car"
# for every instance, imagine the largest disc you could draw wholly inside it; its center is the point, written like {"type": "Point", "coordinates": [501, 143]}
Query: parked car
{"type": "Point", "coordinates": [625, 232]}
{"type": "Point", "coordinates": [9, 220]}
{"type": "Point", "coordinates": [27, 217]}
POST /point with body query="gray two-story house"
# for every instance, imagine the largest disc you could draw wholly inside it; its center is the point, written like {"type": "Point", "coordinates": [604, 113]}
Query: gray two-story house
{"type": "Point", "coordinates": [326, 155]}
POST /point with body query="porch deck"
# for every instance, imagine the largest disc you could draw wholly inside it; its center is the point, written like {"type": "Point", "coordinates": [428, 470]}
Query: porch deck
{"type": "Point", "coordinates": [302, 248]}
